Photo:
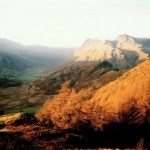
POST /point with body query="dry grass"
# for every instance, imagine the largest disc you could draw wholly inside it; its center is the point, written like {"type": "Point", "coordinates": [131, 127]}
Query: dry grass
{"type": "Point", "coordinates": [48, 138]}
{"type": "Point", "coordinates": [17, 119]}
{"type": "Point", "coordinates": [68, 109]}
{"type": "Point", "coordinates": [6, 119]}
{"type": "Point", "coordinates": [64, 108]}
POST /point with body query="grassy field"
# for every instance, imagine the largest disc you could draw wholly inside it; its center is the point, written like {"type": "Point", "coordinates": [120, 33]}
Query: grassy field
{"type": "Point", "coordinates": [31, 110]}
{"type": "Point", "coordinates": [31, 74]}
{"type": "Point", "coordinates": [24, 76]}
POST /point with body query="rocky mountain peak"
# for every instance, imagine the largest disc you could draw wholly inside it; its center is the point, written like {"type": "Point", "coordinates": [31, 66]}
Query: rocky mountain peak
{"type": "Point", "coordinates": [124, 38]}
{"type": "Point", "coordinates": [124, 52]}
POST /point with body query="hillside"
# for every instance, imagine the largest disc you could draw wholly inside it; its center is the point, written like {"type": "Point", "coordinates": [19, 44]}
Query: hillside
{"type": "Point", "coordinates": [125, 100]}
{"type": "Point", "coordinates": [38, 91]}
{"type": "Point", "coordinates": [79, 77]}
{"type": "Point", "coordinates": [114, 115]}
{"type": "Point", "coordinates": [124, 52]}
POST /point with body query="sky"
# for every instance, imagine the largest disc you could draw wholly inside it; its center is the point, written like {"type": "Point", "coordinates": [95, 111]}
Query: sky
{"type": "Point", "coordinates": [68, 23]}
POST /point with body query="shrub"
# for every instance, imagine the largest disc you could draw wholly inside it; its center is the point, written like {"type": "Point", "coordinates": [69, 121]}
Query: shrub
{"type": "Point", "coordinates": [1, 112]}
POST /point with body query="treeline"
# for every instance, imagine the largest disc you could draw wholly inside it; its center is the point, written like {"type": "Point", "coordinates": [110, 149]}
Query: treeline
{"type": "Point", "coordinates": [5, 82]}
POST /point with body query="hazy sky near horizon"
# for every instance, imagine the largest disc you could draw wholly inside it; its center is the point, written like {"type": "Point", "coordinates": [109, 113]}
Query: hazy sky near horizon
{"type": "Point", "coordinates": [68, 23]}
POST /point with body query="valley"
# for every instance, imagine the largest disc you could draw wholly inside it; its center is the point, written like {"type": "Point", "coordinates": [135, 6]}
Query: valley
{"type": "Point", "coordinates": [18, 61]}
{"type": "Point", "coordinates": [94, 97]}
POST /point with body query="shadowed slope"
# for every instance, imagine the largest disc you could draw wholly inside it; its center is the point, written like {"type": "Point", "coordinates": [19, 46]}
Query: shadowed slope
{"type": "Point", "coordinates": [79, 76]}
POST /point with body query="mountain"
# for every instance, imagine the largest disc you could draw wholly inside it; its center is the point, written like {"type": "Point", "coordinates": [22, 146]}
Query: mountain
{"type": "Point", "coordinates": [78, 76]}
{"type": "Point", "coordinates": [124, 52]}
{"type": "Point", "coordinates": [19, 61]}
{"type": "Point", "coordinates": [123, 102]}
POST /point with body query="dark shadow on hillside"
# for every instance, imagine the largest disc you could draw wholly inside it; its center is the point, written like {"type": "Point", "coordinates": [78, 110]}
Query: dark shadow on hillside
{"type": "Point", "coordinates": [131, 131]}
{"type": "Point", "coordinates": [116, 135]}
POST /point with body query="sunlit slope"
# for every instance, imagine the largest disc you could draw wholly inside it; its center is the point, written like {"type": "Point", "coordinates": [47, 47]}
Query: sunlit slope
{"type": "Point", "coordinates": [132, 90]}
{"type": "Point", "coordinates": [128, 96]}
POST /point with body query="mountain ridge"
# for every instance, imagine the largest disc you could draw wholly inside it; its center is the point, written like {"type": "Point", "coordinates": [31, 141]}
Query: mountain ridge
{"type": "Point", "coordinates": [124, 52]}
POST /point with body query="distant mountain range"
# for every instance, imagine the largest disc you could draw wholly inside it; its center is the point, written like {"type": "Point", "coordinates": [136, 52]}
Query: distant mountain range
{"type": "Point", "coordinates": [124, 52]}
{"type": "Point", "coordinates": [19, 60]}
{"type": "Point", "coordinates": [22, 62]}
